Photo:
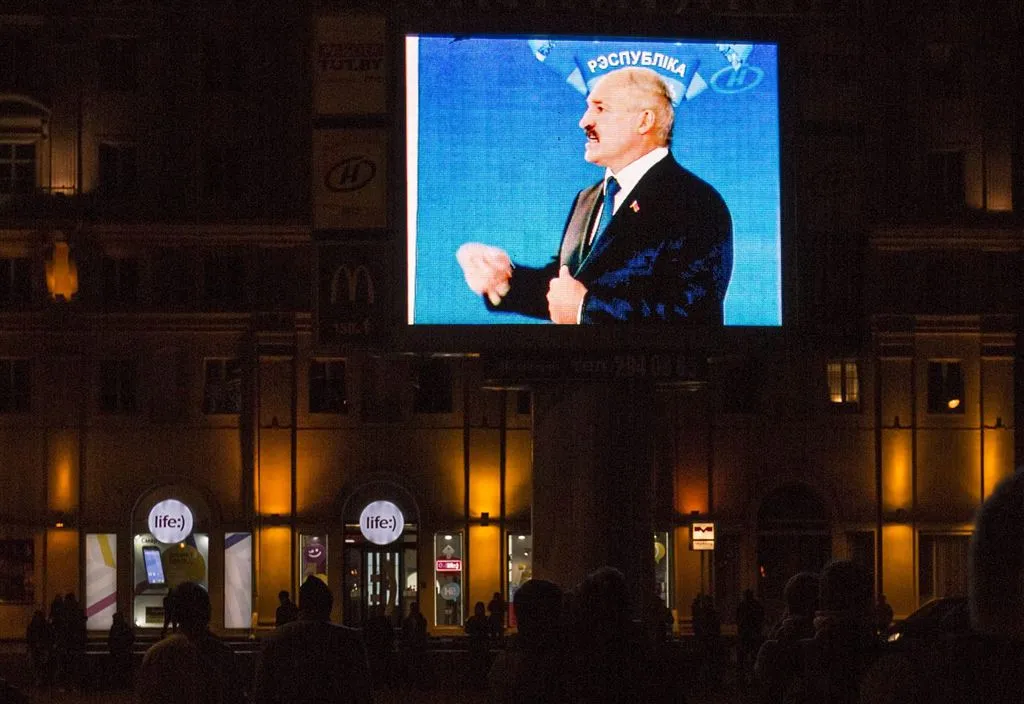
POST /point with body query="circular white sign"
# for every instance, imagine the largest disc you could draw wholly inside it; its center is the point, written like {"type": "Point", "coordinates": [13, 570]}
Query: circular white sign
{"type": "Point", "coordinates": [170, 521]}
{"type": "Point", "coordinates": [381, 522]}
{"type": "Point", "coordinates": [450, 591]}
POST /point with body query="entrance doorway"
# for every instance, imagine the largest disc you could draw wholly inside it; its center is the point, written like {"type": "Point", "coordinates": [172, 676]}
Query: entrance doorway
{"type": "Point", "coordinates": [377, 575]}
{"type": "Point", "coordinates": [792, 536]}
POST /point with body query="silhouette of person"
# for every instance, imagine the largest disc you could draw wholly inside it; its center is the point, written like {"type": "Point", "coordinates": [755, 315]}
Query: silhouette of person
{"type": "Point", "coordinates": [478, 628]}
{"type": "Point", "coordinates": [312, 660]}
{"type": "Point", "coordinates": [777, 660]}
{"type": "Point", "coordinates": [414, 646]}
{"type": "Point", "coordinates": [844, 647]}
{"type": "Point", "coordinates": [76, 638]}
{"type": "Point", "coordinates": [379, 635]}
{"type": "Point", "coordinates": [120, 640]}
{"type": "Point", "coordinates": [883, 615]}
{"type": "Point", "coordinates": [170, 622]}
{"type": "Point", "coordinates": [287, 611]}
{"type": "Point", "coordinates": [191, 666]}
{"type": "Point", "coordinates": [39, 639]}
{"type": "Point", "coordinates": [496, 615]}
{"type": "Point", "coordinates": [610, 660]}
{"type": "Point", "coordinates": [532, 669]}
{"type": "Point", "coordinates": [750, 630]}
{"type": "Point", "coordinates": [59, 624]}
{"type": "Point", "coordinates": [985, 666]}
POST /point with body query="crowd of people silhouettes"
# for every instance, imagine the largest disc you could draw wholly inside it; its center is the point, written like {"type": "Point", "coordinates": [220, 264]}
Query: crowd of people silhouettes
{"type": "Point", "coordinates": [585, 644]}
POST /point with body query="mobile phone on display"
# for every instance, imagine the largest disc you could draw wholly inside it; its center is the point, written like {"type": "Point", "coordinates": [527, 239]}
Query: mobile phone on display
{"type": "Point", "coordinates": [154, 566]}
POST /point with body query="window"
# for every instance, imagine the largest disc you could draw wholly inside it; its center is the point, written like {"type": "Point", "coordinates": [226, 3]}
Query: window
{"type": "Point", "coordinates": [843, 384]}
{"type": "Point", "coordinates": [222, 392]}
{"type": "Point", "coordinates": [945, 387]}
{"type": "Point", "coordinates": [327, 393]}
{"type": "Point", "coordinates": [520, 566]}
{"type": "Point", "coordinates": [15, 386]}
{"type": "Point", "coordinates": [944, 182]}
{"type": "Point", "coordinates": [17, 571]}
{"type": "Point", "coordinates": [118, 177]}
{"type": "Point", "coordinates": [222, 173]}
{"type": "Point", "coordinates": [117, 386]}
{"type": "Point", "coordinates": [15, 281]}
{"type": "Point", "coordinates": [942, 565]}
{"type": "Point", "coordinates": [448, 581]}
{"type": "Point", "coordinates": [432, 382]}
{"type": "Point", "coordinates": [224, 280]}
{"type": "Point", "coordinates": [942, 70]}
{"type": "Point", "coordinates": [17, 168]}
{"type": "Point", "coordinates": [119, 64]}
{"type": "Point", "coordinates": [170, 282]}
{"type": "Point", "coordinates": [120, 280]}
{"type": "Point", "coordinates": [224, 63]}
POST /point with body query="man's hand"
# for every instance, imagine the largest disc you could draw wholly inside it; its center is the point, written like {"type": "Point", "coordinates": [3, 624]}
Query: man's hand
{"type": "Point", "coordinates": [565, 295]}
{"type": "Point", "coordinates": [487, 270]}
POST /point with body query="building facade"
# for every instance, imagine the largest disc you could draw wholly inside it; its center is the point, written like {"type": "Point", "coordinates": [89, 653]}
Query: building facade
{"type": "Point", "coordinates": [188, 315]}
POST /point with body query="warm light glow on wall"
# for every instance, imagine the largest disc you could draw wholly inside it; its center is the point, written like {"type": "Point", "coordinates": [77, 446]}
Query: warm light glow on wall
{"type": "Point", "coordinates": [998, 457]}
{"type": "Point", "coordinates": [518, 473]}
{"type": "Point", "coordinates": [897, 485]}
{"type": "Point", "coordinates": [275, 554]}
{"type": "Point", "coordinates": [63, 484]}
{"type": "Point", "coordinates": [61, 563]}
{"type": "Point", "coordinates": [485, 554]}
{"type": "Point", "coordinates": [898, 576]}
{"type": "Point", "coordinates": [275, 481]}
{"type": "Point", "coordinates": [691, 496]}
{"type": "Point", "coordinates": [484, 492]}
{"type": "Point", "coordinates": [61, 272]}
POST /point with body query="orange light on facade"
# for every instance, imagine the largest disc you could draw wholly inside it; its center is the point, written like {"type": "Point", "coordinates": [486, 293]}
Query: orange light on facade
{"type": "Point", "coordinates": [61, 273]}
{"type": "Point", "coordinates": [953, 403]}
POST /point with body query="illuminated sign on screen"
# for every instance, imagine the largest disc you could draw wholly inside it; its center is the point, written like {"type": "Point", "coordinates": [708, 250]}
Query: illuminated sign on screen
{"type": "Point", "coordinates": [170, 521]}
{"type": "Point", "coordinates": [381, 522]}
{"type": "Point", "coordinates": [510, 140]}
{"type": "Point", "coordinates": [449, 565]}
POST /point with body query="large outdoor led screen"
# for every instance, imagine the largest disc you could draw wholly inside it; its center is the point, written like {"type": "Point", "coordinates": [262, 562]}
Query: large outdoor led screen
{"type": "Point", "coordinates": [509, 141]}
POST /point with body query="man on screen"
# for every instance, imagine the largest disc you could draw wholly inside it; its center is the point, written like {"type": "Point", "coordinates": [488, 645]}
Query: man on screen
{"type": "Point", "coordinates": [651, 241]}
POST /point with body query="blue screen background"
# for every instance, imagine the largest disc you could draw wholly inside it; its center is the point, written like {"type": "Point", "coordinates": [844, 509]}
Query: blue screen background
{"type": "Point", "coordinates": [500, 159]}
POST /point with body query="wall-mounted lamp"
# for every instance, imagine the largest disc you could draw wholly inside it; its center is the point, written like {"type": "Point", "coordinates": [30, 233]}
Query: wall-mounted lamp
{"type": "Point", "coordinates": [485, 519]}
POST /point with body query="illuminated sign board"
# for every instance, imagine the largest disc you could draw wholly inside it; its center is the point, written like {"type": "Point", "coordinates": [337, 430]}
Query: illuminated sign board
{"type": "Point", "coordinates": [381, 522]}
{"type": "Point", "coordinates": [507, 152]}
{"type": "Point", "coordinates": [170, 521]}
{"type": "Point", "coordinates": [702, 536]}
{"type": "Point", "coordinates": [449, 565]}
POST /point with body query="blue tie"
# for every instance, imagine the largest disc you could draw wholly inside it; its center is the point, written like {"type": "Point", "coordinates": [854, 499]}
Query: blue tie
{"type": "Point", "coordinates": [611, 187]}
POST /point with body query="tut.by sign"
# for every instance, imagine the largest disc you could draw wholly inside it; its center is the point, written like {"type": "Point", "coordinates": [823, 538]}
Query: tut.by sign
{"type": "Point", "coordinates": [349, 65]}
{"type": "Point", "coordinates": [350, 179]}
{"type": "Point", "coordinates": [702, 536]}
{"type": "Point", "coordinates": [381, 522]}
{"type": "Point", "coordinates": [449, 565]}
{"type": "Point", "coordinates": [170, 521]}
{"type": "Point", "coordinates": [352, 292]}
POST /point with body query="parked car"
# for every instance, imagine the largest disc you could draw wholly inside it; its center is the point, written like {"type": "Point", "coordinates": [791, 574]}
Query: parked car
{"type": "Point", "coordinates": [939, 618]}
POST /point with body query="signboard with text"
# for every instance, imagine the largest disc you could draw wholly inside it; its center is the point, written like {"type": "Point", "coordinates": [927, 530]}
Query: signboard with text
{"type": "Point", "coordinates": [702, 536]}
{"type": "Point", "coordinates": [349, 179]}
{"type": "Point", "coordinates": [349, 71]}
{"type": "Point", "coordinates": [449, 565]}
{"type": "Point", "coordinates": [352, 297]}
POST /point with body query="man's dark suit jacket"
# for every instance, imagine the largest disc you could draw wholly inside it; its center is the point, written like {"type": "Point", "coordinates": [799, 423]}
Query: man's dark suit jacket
{"type": "Point", "coordinates": [666, 255]}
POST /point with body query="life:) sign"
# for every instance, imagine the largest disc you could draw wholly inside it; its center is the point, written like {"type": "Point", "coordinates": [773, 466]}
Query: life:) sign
{"type": "Point", "coordinates": [381, 522]}
{"type": "Point", "coordinates": [170, 521]}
